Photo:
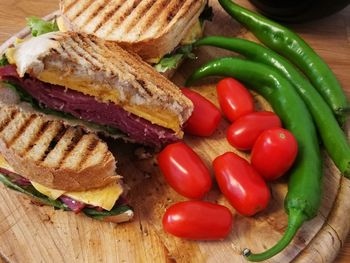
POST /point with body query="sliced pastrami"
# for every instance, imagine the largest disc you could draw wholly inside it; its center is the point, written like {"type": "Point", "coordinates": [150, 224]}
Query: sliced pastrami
{"type": "Point", "coordinates": [87, 108]}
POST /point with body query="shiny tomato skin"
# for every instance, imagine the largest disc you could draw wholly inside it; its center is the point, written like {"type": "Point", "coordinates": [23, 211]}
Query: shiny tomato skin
{"type": "Point", "coordinates": [234, 99]}
{"type": "Point", "coordinates": [243, 133]}
{"type": "Point", "coordinates": [184, 170]}
{"type": "Point", "coordinates": [205, 117]}
{"type": "Point", "coordinates": [274, 153]}
{"type": "Point", "coordinates": [198, 220]}
{"type": "Point", "coordinates": [242, 186]}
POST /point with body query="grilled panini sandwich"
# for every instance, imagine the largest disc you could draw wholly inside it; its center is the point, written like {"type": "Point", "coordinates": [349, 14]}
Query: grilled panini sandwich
{"type": "Point", "coordinates": [98, 82]}
{"type": "Point", "coordinates": [58, 164]}
{"type": "Point", "coordinates": [151, 28]}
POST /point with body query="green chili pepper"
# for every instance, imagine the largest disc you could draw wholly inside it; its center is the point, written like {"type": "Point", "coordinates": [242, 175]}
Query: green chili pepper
{"type": "Point", "coordinates": [333, 137]}
{"type": "Point", "coordinates": [305, 183]}
{"type": "Point", "coordinates": [293, 47]}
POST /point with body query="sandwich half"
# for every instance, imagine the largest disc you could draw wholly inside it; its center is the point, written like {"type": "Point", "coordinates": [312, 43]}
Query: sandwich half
{"type": "Point", "coordinates": [98, 82]}
{"type": "Point", "coordinates": [160, 31]}
{"type": "Point", "coordinates": [58, 164]}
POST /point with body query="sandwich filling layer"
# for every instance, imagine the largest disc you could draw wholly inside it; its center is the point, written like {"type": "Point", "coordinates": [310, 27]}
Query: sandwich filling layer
{"type": "Point", "coordinates": [87, 108]}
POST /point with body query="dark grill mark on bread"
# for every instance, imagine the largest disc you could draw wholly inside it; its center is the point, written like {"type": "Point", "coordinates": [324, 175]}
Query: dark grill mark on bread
{"type": "Point", "coordinates": [73, 3]}
{"type": "Point", "coordinates": [54, 142]}
{"type": "Point", "coordinates": [92, 145]}
{"type": "Point", "coordinates": [107, 16]}
{"type": "Point", "coordinates": [78, 135]}
{"type": "Point", "coordinates": [43, 126]}
{"type": "Point", "coordinates": [83, 8]}
{"type": "Point", "coordinates": [95, 12]}
{"type": "Point", "coordinates": [117, 22]}
{"type": "Point", "coordinates": [143, 12]}
{"type": "Point", "coordinates": [21, 130]}
{"type": "Point", "coordinates": [82, 55]}
{"type": "Point", "coordinates": [8, 117]}
{"type": "Point", "coordinates": [174, 9]}
{"type": "Point", "coordinates": [89, 142]}
{"type": "Point", "coordinates": [144, 87]}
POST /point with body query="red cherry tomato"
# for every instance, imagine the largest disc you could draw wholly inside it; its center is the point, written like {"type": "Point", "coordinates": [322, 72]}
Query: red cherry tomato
{"type": "Point", "coordinates": [274, 153]}
{"type": "Point", "coordinates": [235, 100]}
{"type": "Point", "coordinates": [198, 220]}
{"type": "Point", "coordinates": [242, 186]}
{"type": "Point", "coordinates": [205, 117]}
{"type": "Point", "coordinates": [243, 133]}
{"type": "Point", "coordinates": [184, 170]}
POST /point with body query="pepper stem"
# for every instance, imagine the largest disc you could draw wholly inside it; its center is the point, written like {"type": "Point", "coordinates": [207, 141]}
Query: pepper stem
{"type": "Point", "coordinates": [295, 220]}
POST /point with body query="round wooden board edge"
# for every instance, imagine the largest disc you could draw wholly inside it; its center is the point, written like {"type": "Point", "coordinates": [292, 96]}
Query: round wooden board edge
{"type": "Point", "coordinates": [334, 230]}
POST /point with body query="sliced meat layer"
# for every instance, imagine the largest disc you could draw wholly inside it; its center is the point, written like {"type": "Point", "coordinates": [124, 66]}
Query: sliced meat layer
{"type": "Point", "coordinates": [87, 108]}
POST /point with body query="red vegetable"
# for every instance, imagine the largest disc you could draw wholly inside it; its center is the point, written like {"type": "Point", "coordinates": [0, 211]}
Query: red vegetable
{"type": "Point", "coordinates": [274, 153]}
{"type": "Point", "coordinates": [198, 220]}
{"type": "Point", "coordinates": [184, 170]}
{"type": "Point", "coordinates": [243, 133]}
{"type": "Point", "coordinates": [205, 117]}
{"type": "Point", "coordinates": [242, 186]}
{"type": "Point", "coordinates": [235, 100]}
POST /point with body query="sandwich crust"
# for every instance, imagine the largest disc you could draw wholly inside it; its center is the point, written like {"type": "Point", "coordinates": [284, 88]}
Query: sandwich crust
{"type": "Point", "coordinates": [53, 154]}
{"type": "Point", "coordinates": [108, 71]}
{"type": "Point", "coordinates": [149, 28]}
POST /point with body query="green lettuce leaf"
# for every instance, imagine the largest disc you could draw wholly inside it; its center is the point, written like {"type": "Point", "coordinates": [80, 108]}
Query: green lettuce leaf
{"type": "Point", "coordinates": [32, 192]}
{"type": "Point", "coordinates": [57, 204]}
{"type": "Point", "coordinates": [172, 61]}
{"type": "Point", "coordinates": [3, 61]}
{"type": "Point", "coordinates": [100, 215]}
{"type": "Point", "coordinates": [39, 26]}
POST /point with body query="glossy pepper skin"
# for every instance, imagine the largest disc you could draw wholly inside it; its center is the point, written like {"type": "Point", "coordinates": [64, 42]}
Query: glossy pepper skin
{"type": "Point", "coordinates": [333, 137]}
{"type": "Point", "coordinates": [305, 182]}
{"type": "Point", "coordinates": [293, 47]}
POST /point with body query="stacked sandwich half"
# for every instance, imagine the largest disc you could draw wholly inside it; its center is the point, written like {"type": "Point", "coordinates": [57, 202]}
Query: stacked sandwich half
{"type": "Point", "coordinates": [60, 90]}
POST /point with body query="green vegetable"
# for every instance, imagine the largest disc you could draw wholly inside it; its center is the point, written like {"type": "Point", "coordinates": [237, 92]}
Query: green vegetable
{"type": "Point", "coordinates": [305, 182]}
{"type": "Point", "coordinates": [29, 190]}
{"type": "Point", "coordinates": [25, 97]}
{"type": "Point", "coordinates": [3, 61]}
{"type": "Point", "coordinates": [293, 47]}
{"type": "Point", "coordinates": [100, 215]}
{"type": "Point", "coordinates": [32, 192]}
{"type": "Point", "coordinates": [333, 137]}
{"type": "Point", "coordinates": [172, 61]}
{"type": "Point", "coordinates": [39, 26]}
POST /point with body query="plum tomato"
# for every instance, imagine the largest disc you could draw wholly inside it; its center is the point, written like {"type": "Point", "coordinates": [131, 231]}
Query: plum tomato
{"type": "Point", "coordinates": [243, 133]}
{"type": "Point", "coordinates": [184, 170]}
{"type": "Point", "coordinates": [242, 186]}
{"type": "Point", "coordinates": [274, 152]}
{"type": "Point", "coordinates": [198, 220]}
{"type": "Point", "coordinates": [205, 117]}
{"type": "Point", "coordinates": [234, 99]}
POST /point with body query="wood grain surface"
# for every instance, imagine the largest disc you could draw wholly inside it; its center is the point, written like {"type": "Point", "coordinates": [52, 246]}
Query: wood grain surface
{"type": "Point", "coordinates": [32, 234]}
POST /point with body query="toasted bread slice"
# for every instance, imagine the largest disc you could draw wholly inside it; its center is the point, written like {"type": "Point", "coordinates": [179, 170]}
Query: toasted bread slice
{"type": "Point", "coordinates": [104, 70]}
{"type": "Point", "coordinates": [53, 154]}
{"type": "Point", "coordinates": [150, 28]}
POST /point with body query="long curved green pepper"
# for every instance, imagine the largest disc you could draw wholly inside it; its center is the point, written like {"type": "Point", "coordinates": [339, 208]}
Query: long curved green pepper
{"type": "Point", "coordinates": [293, 47]}
{"type": "Point", "coordinates": [333, 137]}
{"type": "Point", "coordinates": [305, 182]}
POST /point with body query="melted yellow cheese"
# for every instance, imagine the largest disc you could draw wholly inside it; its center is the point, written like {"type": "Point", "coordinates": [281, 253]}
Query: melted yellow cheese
{"type": "Point", "coordinates": [10, 55]}
{"type": "Point", "coordinates": [61, 25]}
{"type": "Point", "coordinates": [104, 197]}
{"type": "Point", "coordinates": [105, 93]}
{"type": "Point", "coordinates": [4, 164]}
{"type": "Point", "coordinates": [52, 193]}
{"type": "Point", "coordinates": [195, 33]}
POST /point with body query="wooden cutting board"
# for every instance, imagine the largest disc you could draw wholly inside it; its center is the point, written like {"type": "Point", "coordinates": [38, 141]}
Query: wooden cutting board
{"type": "Point", "coordinates": [40, 234]}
